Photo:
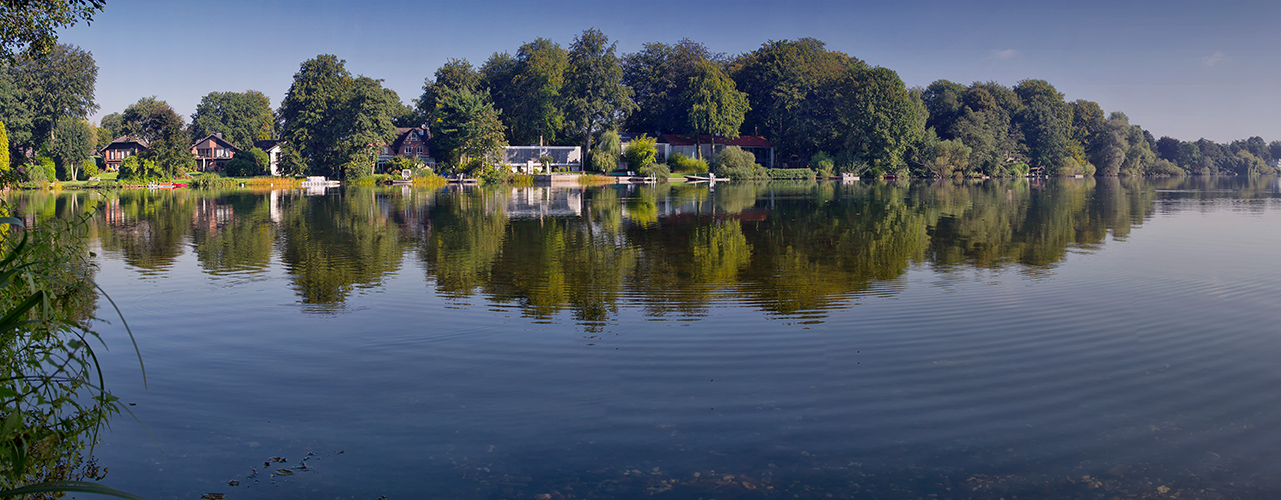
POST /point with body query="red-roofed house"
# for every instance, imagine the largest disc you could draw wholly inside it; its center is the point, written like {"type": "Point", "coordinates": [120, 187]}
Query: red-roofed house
{"type": "Point", "coordinates": [760, 147]}
{"type": "Point", "coordinates": [213, 152]}
{"type": "Point", "coordinates": [412, 142]}
{"type": "Point", "coordinates": [119, 149]}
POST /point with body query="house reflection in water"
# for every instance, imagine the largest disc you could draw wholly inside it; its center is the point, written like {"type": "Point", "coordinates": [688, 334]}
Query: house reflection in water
{"type": "Point", "coordinates": [535, 202]}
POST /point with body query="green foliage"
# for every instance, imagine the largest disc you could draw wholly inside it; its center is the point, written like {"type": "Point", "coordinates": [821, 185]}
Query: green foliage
{"type": "Point", "coordinates": [30, 28]}
{"type": "Point", "coordinates": [656, 170]}
{"type": "Point", "coordinates": [467, 127]}
{"type": "Point", "coordinates": [734, 163]}
{"type": "Point", "coordinates": [72, 145]}
{"type": "Point", "coordinates": [138, 168]}
{"type": "Point", "coordinates": [877, 117]}
{"type": "Point", "coordinates": [59, 84]}
{"type": "Point", "coordinates": [157, 123]}
{"type": "Point", "coordinates": [823, 163]}
{"type": "Point", "coordinates": [4, 149]}
{"type": "Point", "coordinates": [789, 86]}
{"type": "Point", "coordinates": [641, 152]}
{"type": "Point", "coordinates": [208, 181]}
{"type": "Point", "coordinates": [790, 173]}
{"type": "Point", "coordinates": [332, 118]}
{"type": "Point", "coordinates": [243, 165]}
{"type": "Point", "coordinates": [291, 162]}
{"type": "Point", "coordinates": [398, 163]}
{"type": "Point", "coordinates": [109, 128]}
{"type": "Point", "coordinates": [659, 76]}
{"type": "Point", "coordinates": [89, 169]}
{"type": "Point", "coordinates": [1019, 169]}
{"type": "Point", "coordinates": [950, 156]}
{"type": "Point", "coordinates": [456, 75]}
{"type": "Point", "coordinates": [40, 170]}
{"type": "Point", "coordinates": [51, 388]}
{"type": "Point", "coordinates": [605, 157]}
{"type": "Point", "coordinates": [716, 107]}
{"type": "Point", "coordinates": [533, 111]}
{"type": "Point", "coordinates": [241, 117]}
{"type": "Point", "coordinates": [594, 95]}
{"type": "Point", "coordinates": [683, 164]}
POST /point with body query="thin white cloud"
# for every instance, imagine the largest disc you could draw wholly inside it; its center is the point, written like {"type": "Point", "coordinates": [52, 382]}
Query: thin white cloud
{"type": "Point", "coordinates": [1213, 59]}
{"type": "Point", "coordinates": [997, 55]}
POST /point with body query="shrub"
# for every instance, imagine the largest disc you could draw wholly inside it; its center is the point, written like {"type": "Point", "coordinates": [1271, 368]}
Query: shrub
{"type": "Point", "coordinates": [683, 164]}
{"type": "Point", "coordinates": [824, 164]}
{"type": "Point", "coordinates": [641, 152]}
{"type": "Point", "coordinates": [656, 170]}
{"type": "Point", "coordinates": [208, 181]}
{"type": "Point", "coordinates": [604, 157]}
{"type": "Point", "coordinates": [790, 173]}
{"type": "Point", "coordinates": [42, 169]}
{"type": "Point", "coordinates": [88, 169]}
{"type": "Point", "coordinates": [734, 163]}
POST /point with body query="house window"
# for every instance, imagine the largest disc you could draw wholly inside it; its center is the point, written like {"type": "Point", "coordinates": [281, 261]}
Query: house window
{"type": "Point", "coordinates": [420, 150]}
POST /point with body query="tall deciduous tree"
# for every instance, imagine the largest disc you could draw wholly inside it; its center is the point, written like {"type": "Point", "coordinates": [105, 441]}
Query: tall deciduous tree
{"type": "Point", "coordinates": [241, 117]}
{"type": "Point", "coordinates": [73, 144]}
{"type": "Point", "coordinates": [157, 123]}
{"type": "Point", "coordinates": [535, 114]}
{"type": "Point", "coordinates": [1046, 121]}
{"type": "Point", "coordinates": [716, 107]}
{"type": "Point", "coordinates": [335, 120]}
{"type": "Point", "coordinates": [877, 116]}
{"type": "Point", "coordinates": [15, 113]}
{"type": "Point", "coordinates": [4, 149]}
{"type": "Point", "coordinates": [659, 76]}
{"type": "Point", "coordinates": [58, 84]}
{"type": "Point", "coordinates": [455, 74]}
{"type": "Point", "coordinates": [467, 126]}
{"type": "Point", "coordinates": [30, 26]}
{"type": "Point", "coordinates": [595, 97]}
{"type": "Point", "coordinates": [109, 128]}
{"type": "Point", "coordinates": [787, 85]}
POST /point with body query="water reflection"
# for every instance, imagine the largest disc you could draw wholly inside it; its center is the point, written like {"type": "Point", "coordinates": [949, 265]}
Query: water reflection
{"type": "Point", "coordinates": [784, 247]}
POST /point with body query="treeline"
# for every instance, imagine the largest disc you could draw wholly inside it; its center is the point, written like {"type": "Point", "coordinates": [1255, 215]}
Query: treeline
{"type": "Point", "coordinates": [822, 109]}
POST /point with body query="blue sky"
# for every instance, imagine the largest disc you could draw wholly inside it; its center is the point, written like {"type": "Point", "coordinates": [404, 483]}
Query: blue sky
{"type": "Point", "coordinates": [1183, 68]}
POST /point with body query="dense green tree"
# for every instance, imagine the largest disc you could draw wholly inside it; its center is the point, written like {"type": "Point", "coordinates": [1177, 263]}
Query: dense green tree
{"type": "Point", "coordinates": [945, 102]}
{"type": "Point", "coordinates": [241, 117]}
{"type": "Point", "coordinates": [30, 26]}
{"type": "Point", "coordinates": [61, 83]}
{"type": "Point", "coordinates": [109, 129]}
{"type": "Point", "coordinates": [716, 107]}
{"type": "Point", "coordinates": [788, 84]}
{"type": "Point", "coordinates": [605, 157]}
{"type": "Point", "coordinates": [594, 95]}
{"type": "Point", "coordinates": [659, 76]}
{"type": "Point", "coordinates": [467, 126]}
{"type": "Point", "coordinates": [536, 114]}
{"type": "Point", "coordinates": [73, 144]}
{"type": "Point", "coordinates": [877, 117]}
{"type": "Point", "coordinates": [15, 113]}
{"type": "Point", "coordinates": [156, 122]}
{"type": "Point", "coordinates": [335, 120]}
{"type": "Point", "coordinates": [455, 74]}
{"type": "Point", "coordinates": [1046, 121]}
{"type": "Point", "coordinates": [1087, 121]}
{"type": "Point", "coordinates": [641, 152]}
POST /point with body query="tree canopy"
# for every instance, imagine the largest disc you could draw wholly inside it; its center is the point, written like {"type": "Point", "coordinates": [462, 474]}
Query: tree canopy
{"type": "Point", "coordinates": [241, 117]}
{"type": "Point", "coordinates": [595, 97]}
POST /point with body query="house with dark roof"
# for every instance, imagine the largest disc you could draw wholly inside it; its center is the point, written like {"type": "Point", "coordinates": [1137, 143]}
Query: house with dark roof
{"type": "Point", "coordinates": [213, 152]}
{"type": "Point", "coordinates": [273, 149]}
{"type": "Point", "coordinates": [411, 142]}
{"type": "Point", "coordinates": [709, 145]}
{"type": "Point", "coordinates": [122, 147]}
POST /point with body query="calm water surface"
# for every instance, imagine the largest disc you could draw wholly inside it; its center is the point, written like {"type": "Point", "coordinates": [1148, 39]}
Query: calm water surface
{"type": "Point", "coordinates": [1068, 339]}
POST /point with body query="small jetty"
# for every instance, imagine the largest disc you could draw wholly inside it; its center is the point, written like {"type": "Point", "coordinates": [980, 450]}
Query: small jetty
{"type": "Point", "coordinates": [710, 177]}
{"type": "Point", "coordinates": [461, 179]}
{"type": "Point", "coordinates": [319, 181]}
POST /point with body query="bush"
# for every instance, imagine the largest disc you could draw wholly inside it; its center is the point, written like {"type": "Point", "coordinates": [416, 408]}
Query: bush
{"type": "Point", "coordinates": [641, 152]}
{"type": "Point", "coordinates": [1019, 169]}
{"type": "Point", "coordinates": [41, 169]}
{"type": "Point", "coordinates": [683, 164]}
{"type": "Point", "coordinates": [207, 181]}
{"type": "Point", "coordinates": [656, 170]}
{"type": "Point", "coordinates": [135, 168]}
{"type": "Point", "coordinates": [604, 157]}
{"type": "Point", "coordinates": [89, 169]}
{"type": "Point", "coordinates": [734, 163]}
{"type": "Point", "coordinates": [824, 164]}
{"type": "Point", "coordinates": [790, 173]}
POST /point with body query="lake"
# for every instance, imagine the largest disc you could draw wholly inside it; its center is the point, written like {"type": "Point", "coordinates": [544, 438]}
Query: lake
{"type": "Point", "coordinates": [1075, 338]}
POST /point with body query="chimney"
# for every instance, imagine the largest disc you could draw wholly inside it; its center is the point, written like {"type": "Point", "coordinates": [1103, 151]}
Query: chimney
{"type": "Point", "coordinates": [218, 135]}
